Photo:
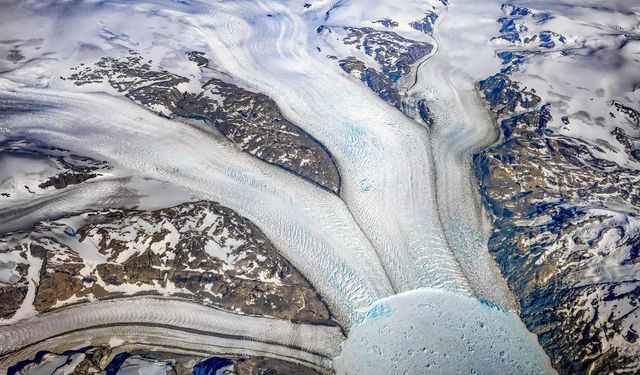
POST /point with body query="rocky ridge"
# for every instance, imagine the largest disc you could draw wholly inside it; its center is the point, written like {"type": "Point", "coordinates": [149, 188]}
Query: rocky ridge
{"type": "Point", "coordinates": [109, 360]}
{"type": "Point", "coordinates": [201, 251]}
{"type": "Point", "coordinates": [389, 58]}
{"type": "Point", "coordinates": [566, 229]}
{"type": "Point", "coordinates": [251, 121]}
{"type": "Point", "coordinates": [382, 55]}
{"type": "Point", "coordinates": [42, 168]}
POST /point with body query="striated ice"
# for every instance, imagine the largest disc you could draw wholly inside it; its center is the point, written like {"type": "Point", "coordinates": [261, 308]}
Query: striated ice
{"type": "Point", "coordinates": [461, 127]}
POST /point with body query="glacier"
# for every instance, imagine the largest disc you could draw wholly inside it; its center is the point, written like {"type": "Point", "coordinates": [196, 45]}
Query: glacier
{"type": "Point", "coordinates": [400, 253]}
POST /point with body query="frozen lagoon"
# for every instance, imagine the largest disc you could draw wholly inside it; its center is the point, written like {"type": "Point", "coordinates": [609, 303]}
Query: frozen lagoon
{"type": "Point", "coordinates": [434, 331]}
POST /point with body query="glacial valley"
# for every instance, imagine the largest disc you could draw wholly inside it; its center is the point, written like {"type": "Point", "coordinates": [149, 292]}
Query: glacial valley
{"type": "Point", "coordinates": [318, 187]}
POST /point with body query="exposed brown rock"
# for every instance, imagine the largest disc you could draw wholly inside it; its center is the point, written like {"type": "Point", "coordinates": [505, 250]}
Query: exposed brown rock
{"type": "Point", "coordinates": [201, 251]}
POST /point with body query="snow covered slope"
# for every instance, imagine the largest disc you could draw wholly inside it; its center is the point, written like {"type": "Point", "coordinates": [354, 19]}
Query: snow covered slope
{"type": "Point", "coordinates": [562, 182]}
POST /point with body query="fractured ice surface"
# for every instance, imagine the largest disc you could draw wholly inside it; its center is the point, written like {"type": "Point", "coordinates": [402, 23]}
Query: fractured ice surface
{"type": "Point", "coordinates": [311, 227]}
{"type": "Point", "coordinates": [391, 199]}
{"type": "Point", "coordinates": [170, 322]}
{"type": "Point", "coordinates": [389, 202]}
{"type": "Point", "coordinates": [433, 331]}
{"type": "Point", "coordinates": [460, 126]}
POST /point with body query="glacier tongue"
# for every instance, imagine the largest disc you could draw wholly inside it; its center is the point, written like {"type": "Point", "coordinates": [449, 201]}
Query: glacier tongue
{"type": "Point", "coordinates": [461, 126]}
{"type": "Point", "coordinates": [434, 331]}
